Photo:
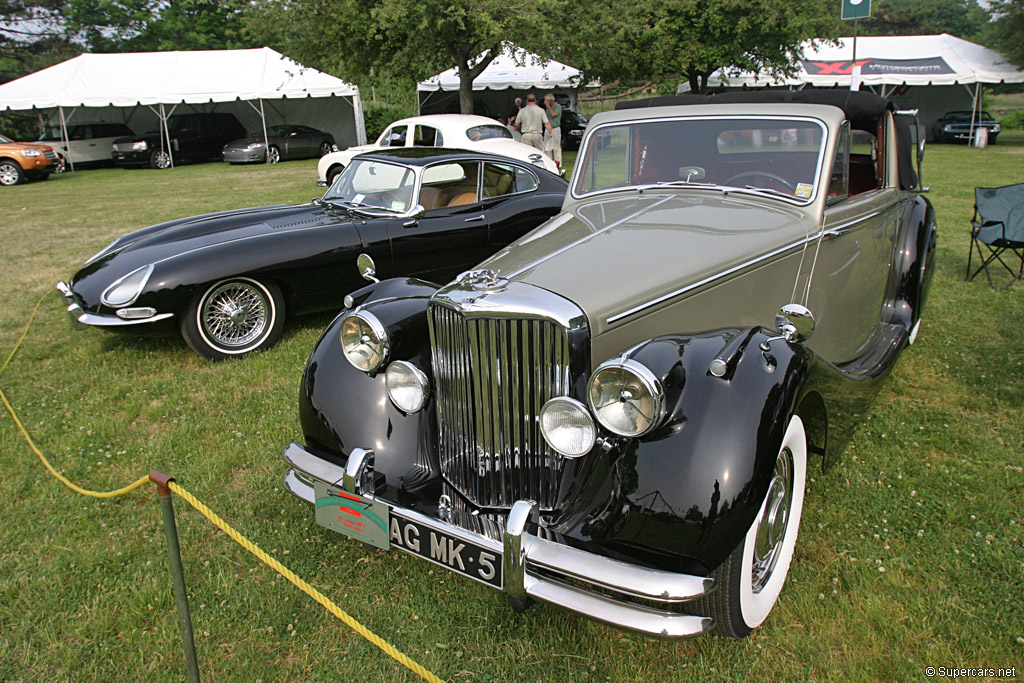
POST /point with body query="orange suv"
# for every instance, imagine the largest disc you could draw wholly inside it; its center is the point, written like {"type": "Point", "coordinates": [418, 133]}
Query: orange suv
{"type": "Point", "coordinates": [20, 160]}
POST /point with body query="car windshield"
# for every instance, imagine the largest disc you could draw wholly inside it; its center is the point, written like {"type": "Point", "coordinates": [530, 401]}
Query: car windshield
{"type": "Point", "coordinates": [51, 133]}
{"type": "Point", "coordinates": [965, 117]}
{"type": "Point", "coordinates": [5, 139]}
{"type": "Point", "coordinates": [374, 184]}
{"type": "Point", "coordinates": [486, 132]}
{"type": "Point", "coordinates": [775, 156]}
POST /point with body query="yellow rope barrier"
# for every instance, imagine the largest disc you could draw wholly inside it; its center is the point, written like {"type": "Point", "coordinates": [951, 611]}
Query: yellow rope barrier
{"type": "Point", "coordinates": [141, 481]}
{"type": "Point", "coordinates": [302, 585]}
{"type": "Point", "coordinates": [220, 523]}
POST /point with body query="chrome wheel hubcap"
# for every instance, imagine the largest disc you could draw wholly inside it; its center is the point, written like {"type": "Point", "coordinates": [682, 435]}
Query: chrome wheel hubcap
{"type": "Point", "coordinates": [235, 314]}
{"type": "Point", "coordinates": [275, 156]}
{"type": "Point", "coordinates": [771, 527]}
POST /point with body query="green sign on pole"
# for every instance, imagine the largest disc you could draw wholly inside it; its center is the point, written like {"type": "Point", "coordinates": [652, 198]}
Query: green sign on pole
{"type": "Point", "coordinates": [856, 9]}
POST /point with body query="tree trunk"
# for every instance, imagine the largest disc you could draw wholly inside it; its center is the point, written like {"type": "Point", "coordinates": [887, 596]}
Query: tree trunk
{"type": "Point", "coordinates": [465, 88]}
{"type": "Point", "coordinates": [467, 74]}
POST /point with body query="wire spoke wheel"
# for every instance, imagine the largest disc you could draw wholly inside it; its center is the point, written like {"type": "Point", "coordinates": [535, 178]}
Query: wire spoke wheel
{"type": "Point", "coordinates": [234, 317]}
{"type": "Point", "coordinates": [234, 314]}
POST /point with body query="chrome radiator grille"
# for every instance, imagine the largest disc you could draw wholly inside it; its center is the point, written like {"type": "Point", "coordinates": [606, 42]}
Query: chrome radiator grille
{"type": "Point", "coordinates": [492, 375]}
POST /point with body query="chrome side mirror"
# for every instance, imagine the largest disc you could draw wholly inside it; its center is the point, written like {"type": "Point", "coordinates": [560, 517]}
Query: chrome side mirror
{"type": "Point", "coordinates": [794, 323]}
{"type": "Point", "coordinates": [367, 268]}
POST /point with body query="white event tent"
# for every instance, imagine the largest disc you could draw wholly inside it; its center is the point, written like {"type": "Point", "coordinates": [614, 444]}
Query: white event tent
{"type": "Point", "coordinates": [259, 86]}
{"type": "Point", "coordinates": [933, 73]}
{"type": "Point", "coordinates": [514, 73]}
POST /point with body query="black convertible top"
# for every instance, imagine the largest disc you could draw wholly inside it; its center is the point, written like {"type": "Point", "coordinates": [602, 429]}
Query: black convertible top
{"type": "Point", "coordinates": [862, 109]}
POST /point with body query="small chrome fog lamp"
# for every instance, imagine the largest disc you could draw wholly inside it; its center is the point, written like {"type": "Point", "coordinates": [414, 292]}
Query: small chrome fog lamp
{"type": "Point", "coordinates": [407, 386]}
{"type": "Point", "coordinates": [567, 427]}
{"type": "Point", "coordinates": [364, 340]}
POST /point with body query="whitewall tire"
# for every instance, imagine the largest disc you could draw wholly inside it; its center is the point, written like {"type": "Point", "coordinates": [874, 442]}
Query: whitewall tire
{"type": "Point", "coordinates": [750, 580]}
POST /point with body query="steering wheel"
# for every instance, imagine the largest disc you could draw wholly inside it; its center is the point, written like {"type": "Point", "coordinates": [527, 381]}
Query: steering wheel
{"type": "Point", "coordinates": [765, 174]}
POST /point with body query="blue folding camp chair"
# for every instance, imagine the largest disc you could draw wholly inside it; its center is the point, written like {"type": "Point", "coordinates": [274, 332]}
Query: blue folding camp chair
{"type": "Point", "coordinates": [998, 224]}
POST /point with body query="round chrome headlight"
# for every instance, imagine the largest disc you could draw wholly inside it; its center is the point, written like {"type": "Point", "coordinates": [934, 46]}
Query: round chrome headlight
{"type": "Point", "coordinates": [626, 397]}
{"type": "Point", "coordinates": [407, 386]}
{"type": "Point", "coordinates": [364, 340]}
{"type": "Point", "coordinates": [567, 427]}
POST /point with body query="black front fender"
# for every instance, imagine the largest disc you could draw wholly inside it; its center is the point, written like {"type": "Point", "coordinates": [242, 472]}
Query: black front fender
{"type": "Point", "coordinates": [686, 493]}
{"type": "Point", "coordinates": [342, 407]}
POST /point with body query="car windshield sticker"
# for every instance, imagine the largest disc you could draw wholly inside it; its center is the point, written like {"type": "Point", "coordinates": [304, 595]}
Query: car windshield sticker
{"type": "Point", "coordinates": [803, 190]}
{"type": "Point", "coordinates": [398, 206]}
{"type": "Point", "coordinates": [358, 199]}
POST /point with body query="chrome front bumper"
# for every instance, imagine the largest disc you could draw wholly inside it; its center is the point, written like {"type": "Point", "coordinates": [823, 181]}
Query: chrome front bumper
{"type": "Point", "coordinates": [591, 585]}
{"type": "Point", "coordinates": [83, 319]}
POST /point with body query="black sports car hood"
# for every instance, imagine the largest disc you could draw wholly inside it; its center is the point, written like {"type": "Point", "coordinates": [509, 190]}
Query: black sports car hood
{"type": "Point", "coordinates": [165, 242]}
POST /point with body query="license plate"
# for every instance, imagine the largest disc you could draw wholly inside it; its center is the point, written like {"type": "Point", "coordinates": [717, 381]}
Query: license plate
{"type": "Point", "coordinates": [375, 523]}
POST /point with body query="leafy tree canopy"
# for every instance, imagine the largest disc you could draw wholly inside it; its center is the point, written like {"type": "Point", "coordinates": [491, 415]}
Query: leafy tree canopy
{"type": "Point", "coordinates": [962, 18]}
{"type": "Point", "coordinates": [1007, 31]}
{"type": "Point", "coordinates": [626, 40]}
{"type": "Point", "coordinates": [414, 38]}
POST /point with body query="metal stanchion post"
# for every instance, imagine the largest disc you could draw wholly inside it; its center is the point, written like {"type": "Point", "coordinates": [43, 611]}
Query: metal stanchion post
{"type": "Point", "coordinates": [174, 557]}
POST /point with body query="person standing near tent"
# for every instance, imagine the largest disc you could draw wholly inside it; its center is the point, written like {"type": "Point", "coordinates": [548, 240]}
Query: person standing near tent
{"type": "Point", "coordinates": [531, 121]}
{"type": "Point", "coordinates": [514, 111]}
{"type": "Point", "coordinates": [554, 113]}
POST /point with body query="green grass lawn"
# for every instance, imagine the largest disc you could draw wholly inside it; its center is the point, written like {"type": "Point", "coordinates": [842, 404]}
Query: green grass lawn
{"type": "Point", "coordinates": [910, 553]}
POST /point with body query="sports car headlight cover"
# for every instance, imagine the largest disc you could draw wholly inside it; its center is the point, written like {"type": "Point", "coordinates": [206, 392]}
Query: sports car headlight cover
{"type": "Point", "coordinates": [407, 386]}
{"type": "Point", "coordinates": [364, 340]}
{"type": "Point", "coordinates": [626, 397]}
{"type": "Point", "coordinates": [255, 145]}
{"type": "Point", "coordinates": [127, 289]}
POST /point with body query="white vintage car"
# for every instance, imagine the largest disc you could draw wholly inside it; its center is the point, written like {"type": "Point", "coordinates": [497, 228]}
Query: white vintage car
{"type": "Point", "coordinates": [459, 131]}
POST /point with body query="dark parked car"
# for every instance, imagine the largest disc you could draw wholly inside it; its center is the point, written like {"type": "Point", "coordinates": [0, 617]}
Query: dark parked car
{"type": "Point", "coordinates": [956, 126]}
{"type": "Point", "coordinates": [194, 137]}
{"type": "Point", "coordinates": [573, 125]}
{"type": "Point", "coordinates": [285, 142]}
{"type": "Point", "coordinates": [229, 278]}
{"type": "Point", "coordinates": [616, 414]}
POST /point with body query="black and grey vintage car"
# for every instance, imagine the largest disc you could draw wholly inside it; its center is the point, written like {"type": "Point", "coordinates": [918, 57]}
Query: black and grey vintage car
{"type": "Point", "coordinates": [228, 278]}
{"type": "Point", "coordinates": [616, 413]}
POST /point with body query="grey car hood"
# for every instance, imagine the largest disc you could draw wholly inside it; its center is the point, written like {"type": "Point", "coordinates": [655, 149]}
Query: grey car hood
{"type": "Point", "coordinates": [614, 254]}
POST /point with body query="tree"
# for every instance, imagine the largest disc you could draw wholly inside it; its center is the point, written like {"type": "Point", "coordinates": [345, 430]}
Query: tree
{"type": "Point", "coordinates": [154, 25]}
{"type": "Point", "coordinates": [962, 18]}
{"type": "Point", "coordinates": [1007, 31]}
{"type": "Point", "coordinates": [656, 40]}
{"type": "Point", "coordinates": [414, 38]}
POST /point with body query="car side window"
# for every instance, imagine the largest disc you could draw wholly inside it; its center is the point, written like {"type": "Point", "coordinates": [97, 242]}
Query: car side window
{"type": "Point", "coordinates": [864, 174]}
{"type": "Point", "coordinates": [428, 136]}
{"type": "Point", "coordinates": [79, 133]}
{"type": "Point", "coordinates": [839, 184]}
{"type": "Point", "coordinates": [450, 185]}
{"type": "Point", "coordinates": [502, 179]}
{"type": "Point", "coordinates": [394, 137]}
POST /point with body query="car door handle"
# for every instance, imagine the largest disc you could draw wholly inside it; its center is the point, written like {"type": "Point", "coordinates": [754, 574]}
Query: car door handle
{"type": "Point", "coordinates": [474, 219]}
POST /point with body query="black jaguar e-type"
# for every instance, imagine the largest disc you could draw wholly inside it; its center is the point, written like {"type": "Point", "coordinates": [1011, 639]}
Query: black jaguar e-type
{"type": "Point", "coordinates": [230, 277]}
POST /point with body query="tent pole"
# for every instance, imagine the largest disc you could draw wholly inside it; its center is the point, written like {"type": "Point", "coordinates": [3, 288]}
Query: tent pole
{"type": "Point", "coordinates": [974, 112]}
{"type": "Point", "coordinates": [266, 140]}
{"type": "Point", "coordinates": [64, 137]}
